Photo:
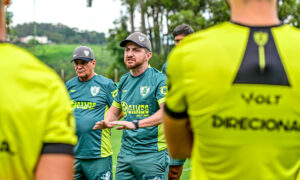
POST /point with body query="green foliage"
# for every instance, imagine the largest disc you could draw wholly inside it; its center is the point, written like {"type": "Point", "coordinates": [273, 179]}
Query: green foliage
{"type": "Point", "coordinates": [58, 57]}
{"type": "Point", "coordinates": [161, 14]}
{"type": "Point", "coordinates": [33, 42]}
{"type": "Point", "coordinates": [157, 60]}
{"type": "Point", "coordinates": [9, 17]}
{"type": "Point", "coordinates": [118, 34]}
{"type": "Point", "coordinates": [60, 33]}
{"type": "Point", "coordinates": [289, 12]}
{"type": "Point", "coordinates": [187, 17]}
{"type": "Point", "coordinates": [218, 12]}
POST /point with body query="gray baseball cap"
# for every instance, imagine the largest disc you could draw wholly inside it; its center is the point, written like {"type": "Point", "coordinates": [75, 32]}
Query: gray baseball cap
{"type": "Point", "coordinates": [139, 39]}
{"type": "Point", "coordinates": [83, 53]}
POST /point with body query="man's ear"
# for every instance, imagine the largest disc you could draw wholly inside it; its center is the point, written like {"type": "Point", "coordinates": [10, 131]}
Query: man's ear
{"type": "Point", "coordinates": [149, 55]}
{"type": "Point", "coordinates": [94, 62]}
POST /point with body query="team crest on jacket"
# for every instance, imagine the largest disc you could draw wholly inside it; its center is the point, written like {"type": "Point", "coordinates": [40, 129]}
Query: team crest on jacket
{"type": "Point", "coordinates": [144, 90]}
{"type": "Point", "coordinates": [95, 90]}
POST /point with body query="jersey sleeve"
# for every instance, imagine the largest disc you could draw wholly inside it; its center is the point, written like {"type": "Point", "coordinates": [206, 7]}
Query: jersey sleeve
{"type": "Point", "coordinates": [161, 90]}
{"type": "Point", "coordinates": [175, 99]}
{"type": "Point", "coordinates": [111, 92]}
{"type": "Point", "coordinates": [117, 94]}
{"type": "Point", "coordinates": [60, 124]}
{"type": "Point", "coordinates": [164, 68]}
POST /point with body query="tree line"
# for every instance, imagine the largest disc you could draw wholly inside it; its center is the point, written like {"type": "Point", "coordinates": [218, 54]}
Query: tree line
{"type": "Point", "coordinates": [57, 33]}
{"type": "Point", "coordinates": [158, 18]}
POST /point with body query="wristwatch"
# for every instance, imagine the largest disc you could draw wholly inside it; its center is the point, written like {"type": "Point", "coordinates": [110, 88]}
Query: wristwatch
{"type": "Point", "coordinates": [136, 123]}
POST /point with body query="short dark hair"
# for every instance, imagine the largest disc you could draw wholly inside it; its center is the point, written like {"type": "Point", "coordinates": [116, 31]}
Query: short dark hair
{"type": "Point", "coordinates": [182, 29]}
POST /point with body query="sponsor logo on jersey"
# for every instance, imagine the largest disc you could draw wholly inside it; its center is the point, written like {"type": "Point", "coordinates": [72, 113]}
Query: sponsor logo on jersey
{"type": "Point", "coordinates": [114, 93]}
{"type": "Point", "coordinates": [255, 123]}
{"type": "Point", "coordinates": [83, 104]}
{"type": "Point", "coordinates": [138, 110]}
{"type": "Point", "coordinates": [144, 90]}
{"type": "Point", "coordinates": [95, 90]}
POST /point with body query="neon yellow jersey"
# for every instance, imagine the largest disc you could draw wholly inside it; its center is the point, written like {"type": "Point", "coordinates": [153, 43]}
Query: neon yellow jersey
{"type": "Point", "coordinates": [35, 114]}
{"type": "Point", "coordinates": [240, 87]}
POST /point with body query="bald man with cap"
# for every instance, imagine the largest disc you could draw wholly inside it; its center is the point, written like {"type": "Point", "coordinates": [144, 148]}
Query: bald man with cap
{"type": "Point", "coordinates": [233, 100]}
{"type": "Point", "coordinates": [91, 94]}
{"type": "Point", "coordinates": [140, 96]}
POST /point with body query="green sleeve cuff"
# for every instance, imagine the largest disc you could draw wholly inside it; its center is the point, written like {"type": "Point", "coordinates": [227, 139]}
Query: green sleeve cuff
{"type": "Point", "coordinates": [117, 105]}
{"type": "Point", "coordinates": [162, 100]}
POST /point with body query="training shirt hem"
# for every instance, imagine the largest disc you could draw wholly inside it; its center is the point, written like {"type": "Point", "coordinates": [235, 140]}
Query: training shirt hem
{"type": "Point", "coordinates": [57, 148]}
{"type": "Point", "coordinates": [176, 115]}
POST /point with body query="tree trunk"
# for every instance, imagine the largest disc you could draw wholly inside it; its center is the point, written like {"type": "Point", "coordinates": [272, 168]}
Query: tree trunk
{"type": "Point", "coordinates": [156, 29]}
{"type": "Point", "coordinates": [167, 46]}
{"type": "Point", "coordinates": [131, 12]}
{"type": "Point", "coordinates": [143, 12]}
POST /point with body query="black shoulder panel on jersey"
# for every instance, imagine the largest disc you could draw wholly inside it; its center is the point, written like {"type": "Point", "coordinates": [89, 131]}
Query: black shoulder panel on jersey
{"type": "Point", "coordinates": [261, 63]}
{"type": "Point", "coordinates": [57, 148]}
{"type": "Point", "coordinates": [175, 114]}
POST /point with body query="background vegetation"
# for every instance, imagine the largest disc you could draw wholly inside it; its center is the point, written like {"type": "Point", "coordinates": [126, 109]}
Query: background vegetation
{"type": "Point", "coordinates": [157, 19]}
{"type": "Point", "coordinates": [58, 57]}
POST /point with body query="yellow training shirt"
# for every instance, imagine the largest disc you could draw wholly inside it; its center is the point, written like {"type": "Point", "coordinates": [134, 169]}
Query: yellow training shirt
{"type": "Point", "coordinates": [240, 88]}
{"type": "Point", "coordinates": [35, 114]}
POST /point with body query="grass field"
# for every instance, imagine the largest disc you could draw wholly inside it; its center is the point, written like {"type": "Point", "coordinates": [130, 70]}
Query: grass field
{"type": "Point", "coordinates": [116, 144]}
{"type": "Point", "coordinates": [58, 57]}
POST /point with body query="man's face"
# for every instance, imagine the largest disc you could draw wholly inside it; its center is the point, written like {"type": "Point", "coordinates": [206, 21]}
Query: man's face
{"type": "Point", "coordinates": [84, 69]}
{"type": "Point", "coordinates": [178, 39]}
{"type": "Point", "coordinates": [135, 56]}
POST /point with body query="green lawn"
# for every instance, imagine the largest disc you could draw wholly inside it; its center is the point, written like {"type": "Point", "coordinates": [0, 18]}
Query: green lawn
{"type": "Point", "coordinates": [116, 144]}
{"type": "Point", "coordinates": [58, 57]}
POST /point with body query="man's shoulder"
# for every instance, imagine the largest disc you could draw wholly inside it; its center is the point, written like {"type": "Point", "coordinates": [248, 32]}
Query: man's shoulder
{"type": "Point", "coordinates": [72, 81]}
{"type": "Point", "coordinates": [214, 34]}
{"type": "Point", "coordinates": [102, 80]}
{"type": "Point", "coordinates": [124, 77]}
{"type": "Point", "coordinates": [289, 32]}
{"type": "Point", "coordinates": [26, 66]}
{"type": "Point", "coordinates": [156, 73]}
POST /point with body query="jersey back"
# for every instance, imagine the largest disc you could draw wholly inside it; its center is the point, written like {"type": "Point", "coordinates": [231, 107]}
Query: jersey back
{"type": "Point", "coordinates": [240, 88]}
{"type": "Point", "coordinates": [35, 110]}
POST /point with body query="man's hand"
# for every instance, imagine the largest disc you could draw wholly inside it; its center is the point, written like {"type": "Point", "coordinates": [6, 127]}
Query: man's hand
{"type": "Point", "coordinates": [102, 125]}
{"type": "Point", "coordinates": [123, 125]}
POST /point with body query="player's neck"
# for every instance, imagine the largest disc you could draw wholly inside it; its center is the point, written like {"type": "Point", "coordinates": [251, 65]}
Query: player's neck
{"type": "Point", "coordinates": [2, 22]}
{"type": "Point", "coordinates": [86, 78]}
{"type": "Point", "coordinates": [255, 13]}
{"type": "Point", "coordinates": [139, 70]}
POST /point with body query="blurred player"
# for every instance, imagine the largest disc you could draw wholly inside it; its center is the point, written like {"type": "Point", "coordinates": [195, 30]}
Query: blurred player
{"type": "Point", "coordinates": [233, 100]}
{"type": "Point", "coordinates": [37, 129]}
{"type": "Point", "coordinates": [176, 165]}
